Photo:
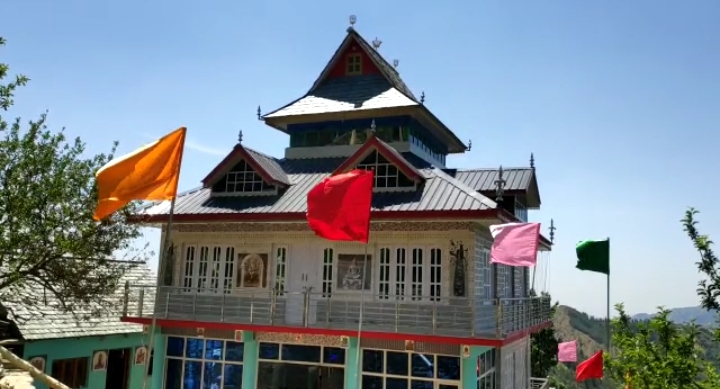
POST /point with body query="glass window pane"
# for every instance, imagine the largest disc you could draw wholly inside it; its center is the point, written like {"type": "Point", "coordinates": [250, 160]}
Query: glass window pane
{"type": "Point", "coordinates": [214, 349]}
{"type": "Point", "coordinates": [372, 361]}
{"type": "Point", "coordinates": [234, 351]}
{"type": "Point", "coordinates": [423, 365]}
{"type": "Point", "coordinates": [396, 364]}
{"type": "Point", "coordinates": [192, 375]}
{"type": "Point", "coordinates": [292, 352]}
{"type": "Point", "coordinates": [194, 348]}
{"type": "Point", "coordinates": [372, 382]}
{"type": "Point", "coordinates": [396, 383]}
{"type": "Point", "coordinates": [175, 346]}
{"type": "Point", "coordinates": [334, 355]}
{"type": "Point", "coordinates": [269, 351]}
{"type": "Point", "coordinates": [173, 373]}
{"type": "Point", "coordinates": [448, 368]}
{"type": "Point", "coordinates": [232, 379]}
{"type": "Point", "coordinates": [448, 387]}
{"type": "Point", "coordinates": [417, 384]}
{"type": "Point", "coordinates": [212, 376]}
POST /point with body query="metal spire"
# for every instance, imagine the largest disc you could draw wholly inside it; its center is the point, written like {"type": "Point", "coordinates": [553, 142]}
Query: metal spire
{"type": "Point", "coordinates": [422, 97]}
{"type": "Point", "coordinates": [259, 113]}
{"type": "Point", "coordinates": [372, 126]}
{"type": "Point", "coordinates": [353, 20]}
{"type": "Point", "coordinates": [376, 43]}
{"type": "Point", "coordinates": [552, 231]}
{"type": "Point", "coordinates": [469, 146]}
{"type": "Point", "coordinates": [240, 136]}
{"type": "Point", "coordinates": [499, 185]}
{"type": "Point", "coordinates": [396, 62]}
{"type": "Point", "coordinates": [532, 161]}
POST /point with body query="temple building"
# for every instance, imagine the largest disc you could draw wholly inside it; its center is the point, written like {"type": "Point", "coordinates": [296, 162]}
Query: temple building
{"type": "Point", "coordinates": [250, 297]}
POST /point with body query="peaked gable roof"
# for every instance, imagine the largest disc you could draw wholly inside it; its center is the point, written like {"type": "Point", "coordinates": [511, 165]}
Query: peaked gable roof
{"type": "Point", "coordinates": [388, 71]}
{"type": "Point", "coordinates": [375, 143]}
{"type": "Point", "coordinates": [517, 180]}
{"type": "Point", "coordinates": [266, 166]}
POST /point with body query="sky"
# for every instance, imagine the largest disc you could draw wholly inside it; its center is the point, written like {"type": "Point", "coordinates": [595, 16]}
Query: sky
{"type": "Point", "coordinates": [618, 101]}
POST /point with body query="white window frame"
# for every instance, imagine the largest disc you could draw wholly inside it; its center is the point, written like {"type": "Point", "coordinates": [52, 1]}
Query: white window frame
{"type": "Point", "coordinates": [436, 381]}
{"type": "Point", "coordinates": [235, 180]}
{"type": "Point", "coordinates": [521, 211]}
{"type": "Point", "coordinates": [486, 268]}
{"type": "Point", "coordinates": [204, 273]}
{"type": "Point", "coordinates": [399, 277]}
{"type": "Point", "coordinates": [374, 166]}
{"type": "Point", "coordinates": [327, 273]}
{"type": "Point", "coordinates": [490, 373]}
{"type": "Point", "coordinates": [202, 360]}
{"type": "Point", "coordinates": [280, 273]}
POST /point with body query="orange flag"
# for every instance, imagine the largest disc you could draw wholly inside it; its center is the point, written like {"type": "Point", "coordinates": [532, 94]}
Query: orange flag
{"type": "Point", "coordinates": [148, 173]}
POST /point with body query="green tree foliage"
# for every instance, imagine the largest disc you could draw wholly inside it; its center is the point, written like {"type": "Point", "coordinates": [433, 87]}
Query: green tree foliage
{"type": "Point", "coordinates": [50, 246]}
{"type": "Point", "coordinates": [658, 354]}
{"type": "Point", "coordinates": [544, 349]}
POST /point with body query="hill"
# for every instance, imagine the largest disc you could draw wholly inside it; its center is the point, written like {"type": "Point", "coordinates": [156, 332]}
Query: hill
{"type": "Point", "coordinates": [685, 315]}
{"type": "Point", "coordinates": [590, 333]}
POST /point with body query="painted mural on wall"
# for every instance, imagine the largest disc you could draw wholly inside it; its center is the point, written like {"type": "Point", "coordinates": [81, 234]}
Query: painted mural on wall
{"type": "Point", "coordinates": [350, 272]}
{"type": "Point", "coordinates": [253, 271]}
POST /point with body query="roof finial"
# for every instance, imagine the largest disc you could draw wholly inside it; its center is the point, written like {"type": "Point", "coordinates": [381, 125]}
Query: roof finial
{"type": "Point", "coordinates": [376, 43]}
{"type": "Point", "coordinates": [239, 136]}
{"type": "Point", "coordinates": [372, 126]}
{"type": "Point", "coordinates": [552, 231]}
{"type": "Point", "coordinates": [532, 161]}
{"type": "Point", "coordinates": [422, 97]}
{"type": "Point", "coordinates": [396, 62]}
{"type": "Point", "coordinates": [469, 146]}
{"type": "Point", "coordinates": [499, 185]}
{"type": "Point", "coordinates": [353, 20]}
{"type": "Point", "coordinates": [259, 113]}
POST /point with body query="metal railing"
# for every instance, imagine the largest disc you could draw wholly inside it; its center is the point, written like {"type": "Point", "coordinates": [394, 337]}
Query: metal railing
{"type": "Point", "coordinates": [539, 383]}
{"type": "Point", "coordinates": [449, 316]}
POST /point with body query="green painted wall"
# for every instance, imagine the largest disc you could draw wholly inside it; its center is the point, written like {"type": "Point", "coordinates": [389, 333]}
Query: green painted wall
{"type": "Point", "coordinates": [468, 378]}
{"type": "Point", "coordinates": [84, 347]}
{"type": "Point", "coordinates": [352, 380]}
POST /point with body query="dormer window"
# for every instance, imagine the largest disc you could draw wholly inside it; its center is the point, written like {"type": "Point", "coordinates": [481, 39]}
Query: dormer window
{"type": "Point", "coordinates": [387, 175]}
{"type": "Point", "coordinates": [242, 180]}
{"type": "Point", "coordinates": [354, 64]}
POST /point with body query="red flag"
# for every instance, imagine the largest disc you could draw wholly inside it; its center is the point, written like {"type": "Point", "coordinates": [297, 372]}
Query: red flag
{"type": "Point", "coordinates": [590, 368]}
{"type": "Point", "coordinates": [339, 206]}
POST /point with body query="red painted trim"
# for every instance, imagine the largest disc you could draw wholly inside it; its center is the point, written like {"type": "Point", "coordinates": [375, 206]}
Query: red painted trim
{"type": "Point", "coordinates": [300, 216]}
{"type": "Point", "coordinates": [224, 165]}
{"type": "Point", "coordinates": [332, 332]}
{"type": "Point", "coordinates": [381, 148]}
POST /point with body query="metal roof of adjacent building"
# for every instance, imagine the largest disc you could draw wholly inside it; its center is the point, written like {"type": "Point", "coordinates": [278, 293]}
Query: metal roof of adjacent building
{"type": "Point", "coordinates": [483, 180]}
{"type": "Point", "coordinates": [49, 322]}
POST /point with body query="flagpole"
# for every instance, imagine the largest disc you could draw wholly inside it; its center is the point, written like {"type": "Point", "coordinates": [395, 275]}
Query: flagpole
{"type": "Point", "coordinates": [360, 318]}
{"type": "Point", "coordinates": [609, 336]}
{"type": "Point", "coordinates": [161, 273]}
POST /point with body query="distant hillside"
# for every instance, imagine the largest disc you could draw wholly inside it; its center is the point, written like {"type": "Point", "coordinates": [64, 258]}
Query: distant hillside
{"type": "Point", "coordinates": [685, 315]}
{"type": "Point", "coordinates": [590, 333]}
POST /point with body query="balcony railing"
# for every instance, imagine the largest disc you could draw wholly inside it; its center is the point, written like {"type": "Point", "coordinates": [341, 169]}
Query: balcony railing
{"type": "Point", "coordinates": [448, 316]}
{"type": "Point", "coordinates": [539, 383]}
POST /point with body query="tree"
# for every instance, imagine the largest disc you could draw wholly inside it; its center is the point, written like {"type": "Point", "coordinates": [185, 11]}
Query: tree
{"type": "Point", "coordinates": [48, 239]}
{"type": "Point", "coordinates": [708, 289]}
{"type": "Point", "coordinates": [544, 348]}
{"type": "Point", "coordinates": [657, 354]}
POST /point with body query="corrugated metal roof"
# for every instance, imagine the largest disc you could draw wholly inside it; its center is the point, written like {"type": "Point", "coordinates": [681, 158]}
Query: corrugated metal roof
{"type": "Point", "coordinates": [344, 94]}
{"type": "Point", "coordinates": [483, 180]}
{"type": "Point", "coordinates": [440, 192]}
{"type": "Point", "coordinates": [49, 322]}
{"type": "Point", "coordinates": [270, 165]}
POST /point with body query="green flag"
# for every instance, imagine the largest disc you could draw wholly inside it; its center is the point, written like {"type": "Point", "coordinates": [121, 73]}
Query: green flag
{"type": "Point", "coordinates": [594, 255]}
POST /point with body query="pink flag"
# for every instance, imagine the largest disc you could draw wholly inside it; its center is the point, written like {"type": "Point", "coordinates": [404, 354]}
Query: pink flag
{"type": "Point", "coordinates": [567, 351]}
{"type": "Point", "coordinates": [515, 244]}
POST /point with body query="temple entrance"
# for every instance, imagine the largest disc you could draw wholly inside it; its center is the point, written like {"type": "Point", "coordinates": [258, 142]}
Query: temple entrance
{"type": "Point", "coordinates": [302, 278]}
{"type": "Point", "coordinates": [290, 366]}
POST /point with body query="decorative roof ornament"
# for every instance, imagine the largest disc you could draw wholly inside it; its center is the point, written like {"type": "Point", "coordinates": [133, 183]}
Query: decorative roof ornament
{"type": "Point", "coordinates": [372, 126]}
{"type": "Point", "coordinates": [240, 136]}
{"type": "Point", "coordinates": [532, 161]}
{"type": "Point", "coordinates": [259, 113]}
{"type": "Point", "coordinates": [499, 185]}
{"type": "Point", "coordinates": [353, 20]}
{"type": "Point", "coordinates": [376, 43]}
{"type": "Point", "coordinates": [422, 97]}
{"type": "Point", "coordinates": [469, 145]}
{"type": "Point", "coordinates": [552, 231]}
{"type": "Point", "coordinates": [396, 62]}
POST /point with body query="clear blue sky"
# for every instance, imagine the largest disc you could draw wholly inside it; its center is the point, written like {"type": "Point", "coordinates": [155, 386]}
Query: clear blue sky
{"type": "Point", "coordinates": [619, 101]}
